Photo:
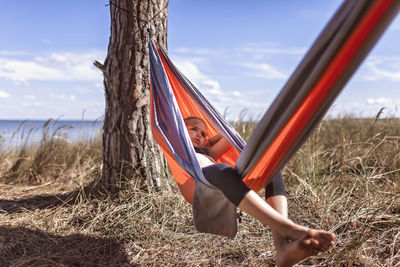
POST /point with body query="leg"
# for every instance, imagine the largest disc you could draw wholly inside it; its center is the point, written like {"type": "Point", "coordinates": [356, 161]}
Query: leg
{"type": "Point", "coordinates": [275, 196]}
{"type": "Point", "coordinates": [302, 239]}
{"type": "Point", "coordinates": [287, 252]}
{"type": "Point", "coordinates": [295, 242]}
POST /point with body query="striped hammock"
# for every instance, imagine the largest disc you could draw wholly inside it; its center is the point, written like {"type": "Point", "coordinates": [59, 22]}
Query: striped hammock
{"type": "Point", "coordinates": [333, 58]}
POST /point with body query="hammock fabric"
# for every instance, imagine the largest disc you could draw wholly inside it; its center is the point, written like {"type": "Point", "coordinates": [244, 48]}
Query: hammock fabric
{"type": "Point", "coordinates": [334, 57]}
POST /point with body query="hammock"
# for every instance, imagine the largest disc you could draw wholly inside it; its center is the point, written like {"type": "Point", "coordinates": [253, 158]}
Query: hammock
{"type": "Point", "coordinates": [301, 104]}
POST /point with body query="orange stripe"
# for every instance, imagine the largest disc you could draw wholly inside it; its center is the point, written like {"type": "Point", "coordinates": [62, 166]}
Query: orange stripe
{"type": "Point", "coordinates": [325, 84]}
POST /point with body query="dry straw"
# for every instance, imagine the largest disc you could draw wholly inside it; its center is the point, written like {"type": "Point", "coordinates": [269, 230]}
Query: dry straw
{"type": "Point", "coordinates": [345, 178]}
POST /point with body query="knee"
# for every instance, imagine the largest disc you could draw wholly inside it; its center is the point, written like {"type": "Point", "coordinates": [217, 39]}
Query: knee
{"type": "Point", "coordinates": [275, 186]}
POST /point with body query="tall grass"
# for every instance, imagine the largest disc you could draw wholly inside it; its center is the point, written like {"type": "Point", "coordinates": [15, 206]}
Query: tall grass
{"type": "Point", "coordinates": [53, 158]}
{"type": "Point", "coordinates": [345, 178]}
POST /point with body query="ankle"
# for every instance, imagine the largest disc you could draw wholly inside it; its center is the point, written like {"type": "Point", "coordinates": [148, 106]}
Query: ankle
{"type": "Point", "coordinates": [295, 231]}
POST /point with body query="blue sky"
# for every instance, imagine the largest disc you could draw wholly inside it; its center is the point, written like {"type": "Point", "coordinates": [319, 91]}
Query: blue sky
{"type": "Point", "coordinates": [239, 54]}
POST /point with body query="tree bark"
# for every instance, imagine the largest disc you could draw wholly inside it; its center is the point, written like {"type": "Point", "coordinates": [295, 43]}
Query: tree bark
{"type": "Point", "coordinates": [129, 151]}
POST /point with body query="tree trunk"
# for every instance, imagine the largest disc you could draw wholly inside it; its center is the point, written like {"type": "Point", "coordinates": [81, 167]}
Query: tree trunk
{"type": "Point", "coordinates": [129, 151]}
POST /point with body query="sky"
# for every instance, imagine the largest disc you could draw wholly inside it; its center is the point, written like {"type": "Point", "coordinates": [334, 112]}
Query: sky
{"type": "Point", "coordinates": [238, 53]}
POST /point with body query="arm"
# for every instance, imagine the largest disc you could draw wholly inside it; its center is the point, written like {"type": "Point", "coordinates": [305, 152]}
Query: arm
{"type": "Point", "coordinates": [218, 146]}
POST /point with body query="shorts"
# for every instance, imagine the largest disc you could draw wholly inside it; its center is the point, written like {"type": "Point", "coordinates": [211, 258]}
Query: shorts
{"type": "Point", "coordinates": [228, 180]}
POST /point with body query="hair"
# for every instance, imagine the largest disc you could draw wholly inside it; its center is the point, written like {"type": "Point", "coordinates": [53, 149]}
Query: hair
{"type": "Point", "coordinates": [188, 120]}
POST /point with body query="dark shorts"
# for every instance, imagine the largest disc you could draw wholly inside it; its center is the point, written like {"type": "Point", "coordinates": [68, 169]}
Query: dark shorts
{"type": "Point", "coordinates": [228, 180]}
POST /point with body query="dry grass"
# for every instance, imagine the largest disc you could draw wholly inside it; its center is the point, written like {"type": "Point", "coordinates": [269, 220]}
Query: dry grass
{"type": "Point", "coordinates": [345, 178]}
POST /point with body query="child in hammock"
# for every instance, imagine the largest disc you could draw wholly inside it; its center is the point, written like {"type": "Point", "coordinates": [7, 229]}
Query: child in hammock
{"type": "Point", "coordinates": [293, 243]}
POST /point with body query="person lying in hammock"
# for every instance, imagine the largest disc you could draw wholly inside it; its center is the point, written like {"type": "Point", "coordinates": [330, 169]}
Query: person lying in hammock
{"type": "Point", "coordinates": [293, 242]}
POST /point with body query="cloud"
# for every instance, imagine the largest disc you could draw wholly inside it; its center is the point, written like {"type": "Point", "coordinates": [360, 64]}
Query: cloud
{"type": "Point", "coordinates": [358, 109]}
{"type": "Point", "coordinates": [12, 53]}
{"type": "Point", "coordinates": [62, 96]}
{"type": "Point", "coordinates": [391, 105]}
{"type": "Point", "coordinates": [367, 108]}
{"type": "Point", "coordinates": [196, 51]}
{"type": "Point", "coordinates": [53, 67]}
{"type": "Point", "coordinates": [32, 104]}
{"type": "Point", "coordinates": [383, 68]}
{"type": "Point", "coordinates": [99, 85]}
{"type": "Point", "coordinates": [211, 87]}
{"type": "Point", "coordinates": [30, 97]}
{"type": "Point", "coordinates": [233, 104]}
{"type": "Point", "coordinates": [380, 101]}
{"type": "Point", "coordinates": [236, 93]}
{"type": "Point", "coordinates": [189, 69]}
{"type": "Point", "coordinates": [4, 94]}
{"type": "Point", "coordinates": [198, 78]}
{"type": "Point", "coordinates": [263, 70]}
{"type": "Point", "coordinates": [271, 49]}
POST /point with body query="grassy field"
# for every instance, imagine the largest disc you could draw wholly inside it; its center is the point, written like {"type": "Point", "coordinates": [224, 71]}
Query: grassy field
{"type": "Point", "coordinates": [345, 178]}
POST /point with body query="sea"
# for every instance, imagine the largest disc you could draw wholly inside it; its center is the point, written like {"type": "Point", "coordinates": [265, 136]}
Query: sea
{"type": "Point", "coordinates": [14, 133]}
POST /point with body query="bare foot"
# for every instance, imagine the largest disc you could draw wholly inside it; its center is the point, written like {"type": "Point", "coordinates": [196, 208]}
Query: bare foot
{"type": "Point", "coordinates": [291, 252]}
{"type": "Point", "coordinates": [309, 244]}
{"type": "Point", "coordinates": [324, 240]}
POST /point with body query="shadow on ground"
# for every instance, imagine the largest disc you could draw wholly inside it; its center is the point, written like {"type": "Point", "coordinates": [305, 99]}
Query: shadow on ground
{"type": "Point", "coordinates": [21, 246]}
{"type": "Point", "coordinates": [44, 201]}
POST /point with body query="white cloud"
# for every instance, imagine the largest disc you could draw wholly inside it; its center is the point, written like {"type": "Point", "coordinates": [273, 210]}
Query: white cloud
{"type": "Point", "coordinates": [53, 67]}
{"type": "Point", "coordinates": [383, 68]}
{"type": "Point", "coordinates": [369, 108]}
{"type": "Point", "coordinates": [4, 94]}
{"type": "Point", "coordinates": [32, 104]}
{"type": "Point", "coordinates": [271, 49]}
{"type": "Point", "coordinates": [196, 51]}
{"type": "Point", "coordinates": [235, 105]}
{"type": "Point", "coordinates": [211, 84]}
{"type": "Point", "coordinates": [31, 97]}
{"type": "Point", "coordinates": [62, 96]}
{"type": "Point", "coordinates": [189, 69]}
{"type": "Point", "coordinates": [236, 93]}
{"type": "Point", "coordinates": [391, 105]}
{"type": "Point", "coordinates": [198, 78]}
{"type": "Point", "coordinates": [380, 101]}
{"type": "Point", "coordinates": [98, 85]}
{"type": "Point", "coordinates": [12, 53]}
{"type": "Point", "coordinates": [210, 87]}
{"type": "Point", "coordinates": [263, 70]}
{"type": "Point", "coordinates": [213, 91]}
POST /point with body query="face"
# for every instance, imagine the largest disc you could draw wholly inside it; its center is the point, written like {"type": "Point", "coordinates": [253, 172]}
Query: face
{"type": "Point", "coordinates": [197, 132]}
